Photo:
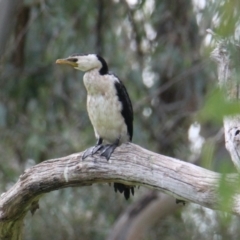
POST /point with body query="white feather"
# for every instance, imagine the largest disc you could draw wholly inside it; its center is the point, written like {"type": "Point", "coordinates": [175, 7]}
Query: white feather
{"type": "Point", "coordinates": [104, 107]}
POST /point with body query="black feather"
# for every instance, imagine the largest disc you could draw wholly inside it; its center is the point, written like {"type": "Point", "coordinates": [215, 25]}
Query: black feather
{"type": "Point", "coordinates": [127, 111]}
{"type": "Point", "coordinates": [126, 190]}
{"type": "Point", "coordinates": [104, 69]}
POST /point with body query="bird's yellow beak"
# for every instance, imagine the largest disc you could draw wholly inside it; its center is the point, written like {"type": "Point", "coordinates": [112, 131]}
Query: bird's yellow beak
{"type": "Point", "coordinates": [68, 61]}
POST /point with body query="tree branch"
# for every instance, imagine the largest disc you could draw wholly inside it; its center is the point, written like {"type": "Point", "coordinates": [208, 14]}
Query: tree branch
{"type": "Point", "coordinates": [143, 214]}
{"type": "Point", "coordinates": [130, 164]}
{"type": "Point", "coordinates": [228, 80]}
{"type": "Point", "coordinates": [8, 11]}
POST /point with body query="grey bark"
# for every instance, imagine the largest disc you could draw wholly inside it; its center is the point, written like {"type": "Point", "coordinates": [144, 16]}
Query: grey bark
{"type": "Point", "coordinates": [228, 82]}
{"type": "Point", "coordinates": [130, 164]}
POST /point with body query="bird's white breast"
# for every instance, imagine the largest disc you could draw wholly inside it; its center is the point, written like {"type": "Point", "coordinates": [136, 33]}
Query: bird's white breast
{"type": "Point", "coordinates": [104, 107]}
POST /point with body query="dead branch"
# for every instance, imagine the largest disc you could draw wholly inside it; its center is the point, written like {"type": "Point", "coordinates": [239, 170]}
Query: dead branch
{"type": "Point", "coordinates": [228, 81]}
{"type": "Point", "coordinates": [130, 164]}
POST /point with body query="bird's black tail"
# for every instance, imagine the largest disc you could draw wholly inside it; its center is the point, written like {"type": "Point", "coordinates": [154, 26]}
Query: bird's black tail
{"type": "Point", "coordinates": [127, 190]}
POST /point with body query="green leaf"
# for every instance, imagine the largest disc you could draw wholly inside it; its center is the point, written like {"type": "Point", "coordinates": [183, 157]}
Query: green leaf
{"type": "Point", "coordinates": [217, 106]}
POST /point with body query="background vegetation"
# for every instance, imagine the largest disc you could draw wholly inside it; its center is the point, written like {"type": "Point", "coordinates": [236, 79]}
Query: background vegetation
{"type": "Point", "coordinates": [160, 50]}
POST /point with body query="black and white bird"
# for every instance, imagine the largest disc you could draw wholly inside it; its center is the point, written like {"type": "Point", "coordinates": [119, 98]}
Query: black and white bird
{"type": "Point", "coordinates": [109, 107]}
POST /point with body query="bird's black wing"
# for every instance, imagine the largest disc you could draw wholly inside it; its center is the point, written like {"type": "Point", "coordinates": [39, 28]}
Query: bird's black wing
{"type": "Point", "coordinates": [127, 111]}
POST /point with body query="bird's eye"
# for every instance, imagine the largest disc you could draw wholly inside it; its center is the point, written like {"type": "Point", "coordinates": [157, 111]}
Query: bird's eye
{"type": "Point", "coordinates": [73, 59]}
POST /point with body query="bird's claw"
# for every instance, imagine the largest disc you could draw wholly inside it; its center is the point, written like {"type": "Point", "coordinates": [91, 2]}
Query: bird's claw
{"type": "Point", "coordinates": [91, 151]}
{"type": "Point", "coordinates": [108, 150]}
{"type": "Point", "coordinates": [96, 148]}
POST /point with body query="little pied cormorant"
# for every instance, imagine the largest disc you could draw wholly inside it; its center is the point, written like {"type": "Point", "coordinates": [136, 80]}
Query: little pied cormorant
{"type": "Point", "coordinates": [109, 107]}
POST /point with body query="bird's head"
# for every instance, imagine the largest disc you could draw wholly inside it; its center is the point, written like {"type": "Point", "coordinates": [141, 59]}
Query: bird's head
{"type": "Point", "coordinates": [85, 62]}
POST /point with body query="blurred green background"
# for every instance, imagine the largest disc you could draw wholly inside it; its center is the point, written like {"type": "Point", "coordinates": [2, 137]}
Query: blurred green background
{"type": "Point", "coordinates": [160, 50]}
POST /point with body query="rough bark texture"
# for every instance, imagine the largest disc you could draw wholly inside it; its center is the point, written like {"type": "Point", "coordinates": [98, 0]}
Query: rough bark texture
{"type": "Point", "coordinates": [228, 82]}
{"type": "Point", "coordinates": [130, 164]}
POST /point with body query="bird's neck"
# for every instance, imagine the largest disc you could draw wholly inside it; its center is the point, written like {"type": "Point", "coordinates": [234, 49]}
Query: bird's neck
{"type": "Point", "coordinates": [94, 82]}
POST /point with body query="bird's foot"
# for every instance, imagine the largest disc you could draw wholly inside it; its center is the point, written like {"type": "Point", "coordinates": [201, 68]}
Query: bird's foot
{"type": "Point", "coordinates": [108, 150]}
{"type": "Point", "coordinates": [96, 148]}
{"type": "Point", "coordinates": [91, 151]}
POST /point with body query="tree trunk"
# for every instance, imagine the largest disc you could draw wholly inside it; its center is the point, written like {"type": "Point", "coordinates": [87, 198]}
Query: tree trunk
{"type": "Point", "coordinates": [8, 14]}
